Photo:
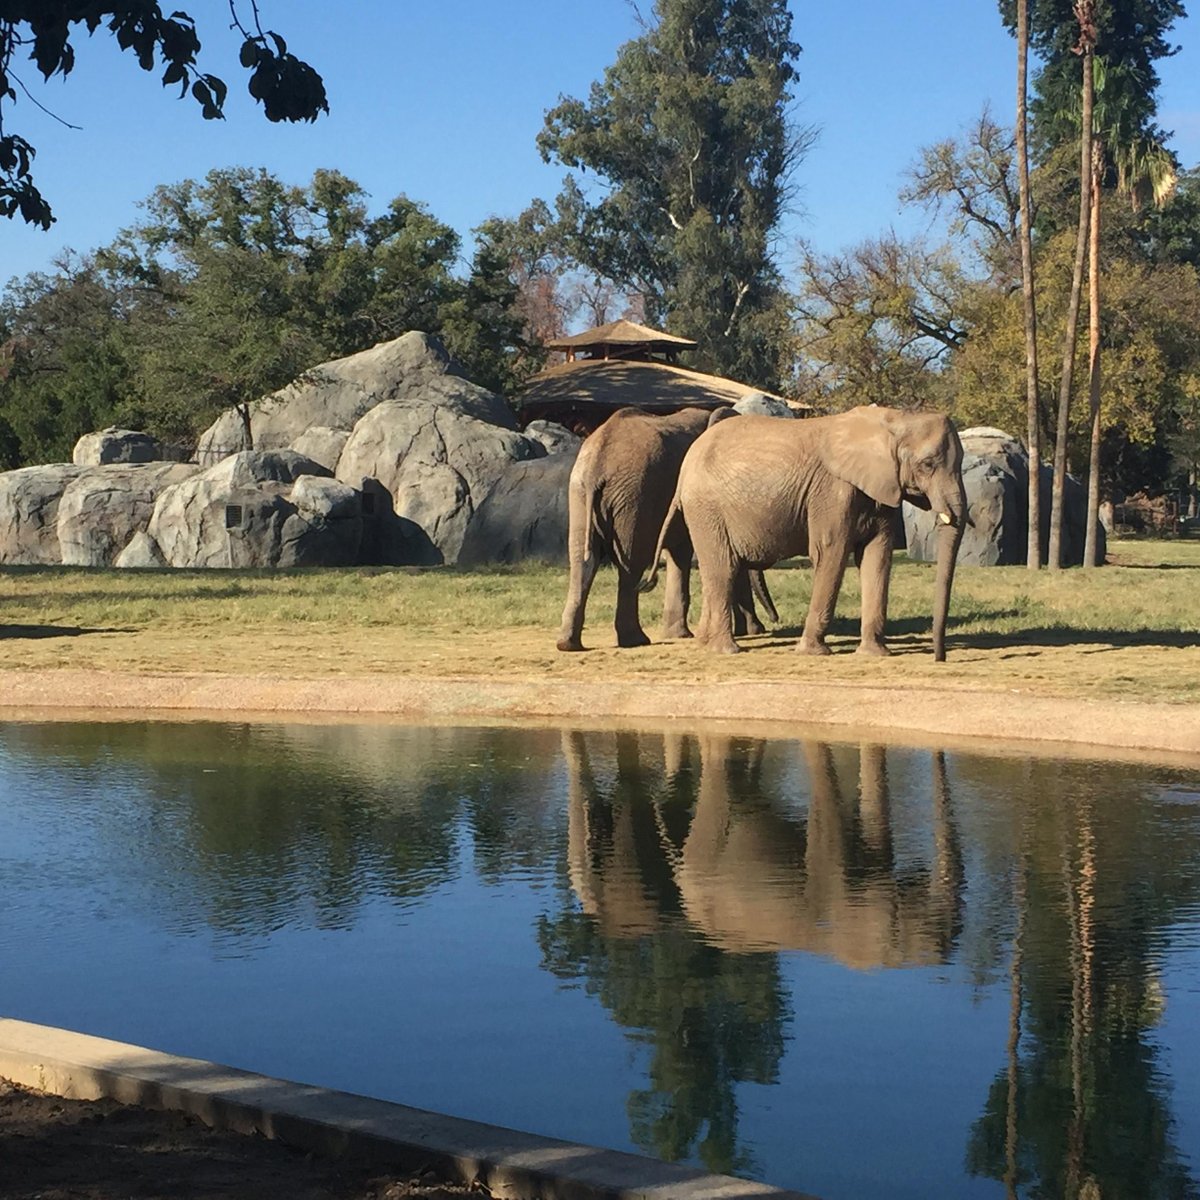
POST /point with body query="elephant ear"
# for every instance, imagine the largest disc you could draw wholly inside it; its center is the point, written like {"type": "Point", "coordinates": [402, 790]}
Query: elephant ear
{"type": "Point", "coordinates": [861, 449]}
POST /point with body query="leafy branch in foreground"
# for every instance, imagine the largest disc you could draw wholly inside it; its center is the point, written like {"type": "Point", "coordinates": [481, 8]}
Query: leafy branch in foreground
{"type": "Point", "coordinates": [288, 88]}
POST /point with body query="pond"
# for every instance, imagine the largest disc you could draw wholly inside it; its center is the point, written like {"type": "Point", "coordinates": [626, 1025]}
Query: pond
{"type": "Point", "coordinates": [848, 969]}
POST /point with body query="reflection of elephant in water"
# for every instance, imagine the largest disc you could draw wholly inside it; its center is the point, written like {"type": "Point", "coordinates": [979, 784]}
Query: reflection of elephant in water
{"type": "Point", "coordinates": [755, 491]}
{"type": "Point", "coordinates": [753, 878]}
{"type": "Point", "coordinates": [620, 488]}
{"type": "Point", "coordinates": [747, 875]}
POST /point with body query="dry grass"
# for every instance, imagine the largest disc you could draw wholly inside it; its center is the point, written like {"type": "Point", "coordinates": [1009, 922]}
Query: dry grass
{"type": "Point", "coordinates": [1131, 630]}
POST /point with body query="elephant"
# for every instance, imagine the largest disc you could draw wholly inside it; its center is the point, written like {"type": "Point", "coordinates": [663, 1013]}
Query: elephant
{"type": "Point", "coordinates": [706, 829]}
{"type": "Point", "coordinates": [619, 491]}
{"type": "Point", "coordinates": [751, 876]}
{"type": "Point", "coordinates": [756, 490]}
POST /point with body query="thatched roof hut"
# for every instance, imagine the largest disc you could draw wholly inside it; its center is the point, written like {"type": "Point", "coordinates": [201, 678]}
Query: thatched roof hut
{"type": "Point", "coordinates": [582, 395]}
{"type": "Point", "coordinates": [621, 339]}
{"type": "Point", "coordinates": [619, 365]}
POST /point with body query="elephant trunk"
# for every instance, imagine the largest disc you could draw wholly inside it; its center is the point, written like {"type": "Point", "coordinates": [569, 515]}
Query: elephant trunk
{"type": "Point", "coordinates": [949, 536]}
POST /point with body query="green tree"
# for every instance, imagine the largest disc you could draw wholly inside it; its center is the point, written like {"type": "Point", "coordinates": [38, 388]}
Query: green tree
{"type": "Point", "coordinates": [63, 369]}
{"type": "Point", "coordinates": [287, 87]}
{"type": "Point", "coordinates": [245, 282]}
{"type": "Point", "coordinates": [691, 136]}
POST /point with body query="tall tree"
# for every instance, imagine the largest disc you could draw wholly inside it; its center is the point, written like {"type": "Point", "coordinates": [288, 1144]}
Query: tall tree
{"type": "Point", "coordinates": [287, 87]}
{"type": "Point", "coordinates": [1085, 13]}
{"type": "Point", "coordinates": [1033, 438]}
{"type": "Point", "coordinates": [1144, 169]}
{"type": "Point", "coordinates": [691, 135]}
{"type": "Point", "coordinates": [1129, 36]}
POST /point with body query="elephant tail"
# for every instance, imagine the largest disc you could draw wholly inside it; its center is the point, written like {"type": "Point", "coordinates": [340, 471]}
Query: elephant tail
{"type": "Point", "coordinates": [673, 514]}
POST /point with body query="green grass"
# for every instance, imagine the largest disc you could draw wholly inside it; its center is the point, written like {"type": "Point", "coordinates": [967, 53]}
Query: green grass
{"type": "Point", "coordinates": [1131, 629]}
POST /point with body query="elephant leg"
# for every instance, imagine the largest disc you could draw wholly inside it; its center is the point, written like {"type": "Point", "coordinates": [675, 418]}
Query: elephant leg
{"type": "Point", "coordinates": [875, 571]}
{"type": "Point", "coordinates": [745, 619]}
{"type": "Point", "coordinates": [583, 572]}
{"type": "Point", "coordinates": [629, 625]}
{"type": "Point", "coordinates": [678, 591]}
{"type": "Point", "coordinates": [717, 579]}
{"type": "Point", "coordinates": [829, 564]}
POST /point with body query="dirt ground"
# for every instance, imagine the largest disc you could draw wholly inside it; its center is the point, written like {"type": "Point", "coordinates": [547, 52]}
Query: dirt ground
{"type": "Point", "coordinates": [55, 1149]}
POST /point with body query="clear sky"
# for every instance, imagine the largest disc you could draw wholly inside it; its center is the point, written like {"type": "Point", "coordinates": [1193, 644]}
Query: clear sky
{"type": "Point", "coordinates": [443, 102]}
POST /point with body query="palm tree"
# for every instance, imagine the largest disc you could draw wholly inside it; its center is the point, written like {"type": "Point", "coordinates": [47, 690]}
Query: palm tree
{"type": "Point", "coordinates": [1085, 15]}
{"type": "Point", "coordinates": [1033, 559]}
{"type": "Point", "coordinates": [1145, 170]}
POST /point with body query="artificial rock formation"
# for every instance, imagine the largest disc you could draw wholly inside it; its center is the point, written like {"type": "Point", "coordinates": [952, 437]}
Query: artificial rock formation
{"type": "Point", "coordinates": [996, 477]}
{"type": "Point", "coordinates": [103, 508]}
{"type": "Point", "coordinates": [29, 500]}
{"type": "Point", "coordinates": [113, 445]}
{"type": "Point", "coordinates": [334, 395]}
{"type": "Point", "coordinates": [259, 509]}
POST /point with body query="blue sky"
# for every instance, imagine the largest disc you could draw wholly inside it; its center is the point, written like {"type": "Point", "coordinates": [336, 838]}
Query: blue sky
{"type": "Point", "coordinates": [443, 102]}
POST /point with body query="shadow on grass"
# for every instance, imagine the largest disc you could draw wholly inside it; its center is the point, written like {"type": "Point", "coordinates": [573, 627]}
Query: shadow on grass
{"type": "Point", "coordinates": [912, 635]}
{"type": "Point", "coordinates": [52, 631]}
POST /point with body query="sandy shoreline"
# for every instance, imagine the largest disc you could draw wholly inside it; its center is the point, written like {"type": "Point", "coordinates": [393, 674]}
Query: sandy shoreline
{"type": "Point", "coordinates": [942, 715]}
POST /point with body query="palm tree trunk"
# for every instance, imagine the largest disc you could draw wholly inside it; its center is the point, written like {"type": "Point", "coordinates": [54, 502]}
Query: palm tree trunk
{"type": "Point", "coordinates": [1058, 487]}
{"type": "Point", "coordinates": [1091, 553]}
{"type": "Point", "coordinates": [1033, 434]}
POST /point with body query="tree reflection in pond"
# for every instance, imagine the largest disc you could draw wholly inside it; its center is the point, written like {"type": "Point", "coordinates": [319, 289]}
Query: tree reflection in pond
{"type": "Point", "coordinates": [698, 859]}
{"type": "Point", "coordinates": [1082, 1109]}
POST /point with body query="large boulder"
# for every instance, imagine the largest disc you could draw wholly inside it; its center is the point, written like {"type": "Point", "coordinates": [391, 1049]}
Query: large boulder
{"type": "Point", "coordinates": [523, 515]}
{"type": "Point", "coordinates": [323, 445]}
{"type": "Point", "coordinates": [555, 438]}
{"type": "Point", "coordinates": [259, 509]}
{"type": "Point", "coordinates": [29, 499]}
{"type": "Point", "coordinates": [996, 478]}
{"type": "Point", "coordinates": [335, 395]}
{"type": "Point", "coordinates": [436, 460]}
{"type": "Point", "coordinates": [103, 508]}
{"type": "Point", "coordinates": [763, 405]}
{"type": "Point", "coordinates": [113, 445]}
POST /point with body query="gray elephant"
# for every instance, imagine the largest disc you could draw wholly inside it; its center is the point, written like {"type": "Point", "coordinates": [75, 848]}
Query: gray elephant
{"type": "Point", "coordinates": [751, 876]}
{"type": "Point", "coordinates": [619, 492]}
{"type": "Point", "coordinates": [757, 490]}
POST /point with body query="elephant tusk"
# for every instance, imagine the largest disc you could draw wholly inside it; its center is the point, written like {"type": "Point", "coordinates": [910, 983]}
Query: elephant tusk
{"type": "Point", "coordinates": [945, 518]}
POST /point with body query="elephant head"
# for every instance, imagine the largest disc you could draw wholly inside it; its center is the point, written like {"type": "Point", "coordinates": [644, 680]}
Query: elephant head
{"type": "Point", "coordinates": [892, 456]}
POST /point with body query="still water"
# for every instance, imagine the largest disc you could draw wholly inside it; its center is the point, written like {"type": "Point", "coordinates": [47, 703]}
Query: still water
{"type": "Point", "coordinates": [850, 969]}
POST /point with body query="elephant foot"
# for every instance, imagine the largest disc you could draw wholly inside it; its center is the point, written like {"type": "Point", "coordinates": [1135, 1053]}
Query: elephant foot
{"type": "Point", "coordinates": [813, 646]}
{"type": "Point", "coordinates": [673, 633]}
{"type": "Point", "coordinates": [754, 627]}
{"type": "Point", "coordinates": [874, 647]}
{"type": "Point", "coordinates": [723, 646]}
{"type": "Point", "coordinates": [568, 643]}
{"type": "Point", "coordinates": [628, 640]}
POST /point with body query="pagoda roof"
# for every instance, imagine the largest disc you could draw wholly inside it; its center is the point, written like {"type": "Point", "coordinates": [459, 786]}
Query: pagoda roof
{"type": "Point", "coordinates": [622, 333]}
{"type": "Point", "coordinates": [616, 383]}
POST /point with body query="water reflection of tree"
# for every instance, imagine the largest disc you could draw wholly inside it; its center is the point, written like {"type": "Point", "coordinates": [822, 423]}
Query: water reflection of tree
{"type": "Point", "coordinates": [712, 1020]}
{"type": "Point", "coordinates": [694, 861]}
{"type": "Point", "coordinates": [250, 828]}
{"type": "Point", "coordinates": [1082, 1108]}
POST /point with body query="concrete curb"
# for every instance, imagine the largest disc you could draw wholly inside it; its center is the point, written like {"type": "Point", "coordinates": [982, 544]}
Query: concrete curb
{"type": "Point", "coordinates": [510, 1164]}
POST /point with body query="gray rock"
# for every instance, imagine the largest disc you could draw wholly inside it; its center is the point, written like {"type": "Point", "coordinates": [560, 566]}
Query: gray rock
{"type": "Point", "coordinates": [763, 405]}
{"type": "Point", "coordinates": [142, 552]}
{"type": "Point", "coordinates": [113, 445]}
{"type": "Point", "coordinates": [335, 395]}
{"type": "Point", "coordinates": [103, 508]}
{"type": "Point", "coordinates": [523, 515]}
{"type": "Point", "coordinates": [436, 461]}
{"type": "Point", "coordinates": [323, 445]}
{"type": "Point", "coordinates": [996, 477]}
{"type": "Point", "coordinates": [259, 509]}
{"type": "Point", "coordinates": [556, 438]}
{"type": "Point", "coordinates": [29, 499]}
